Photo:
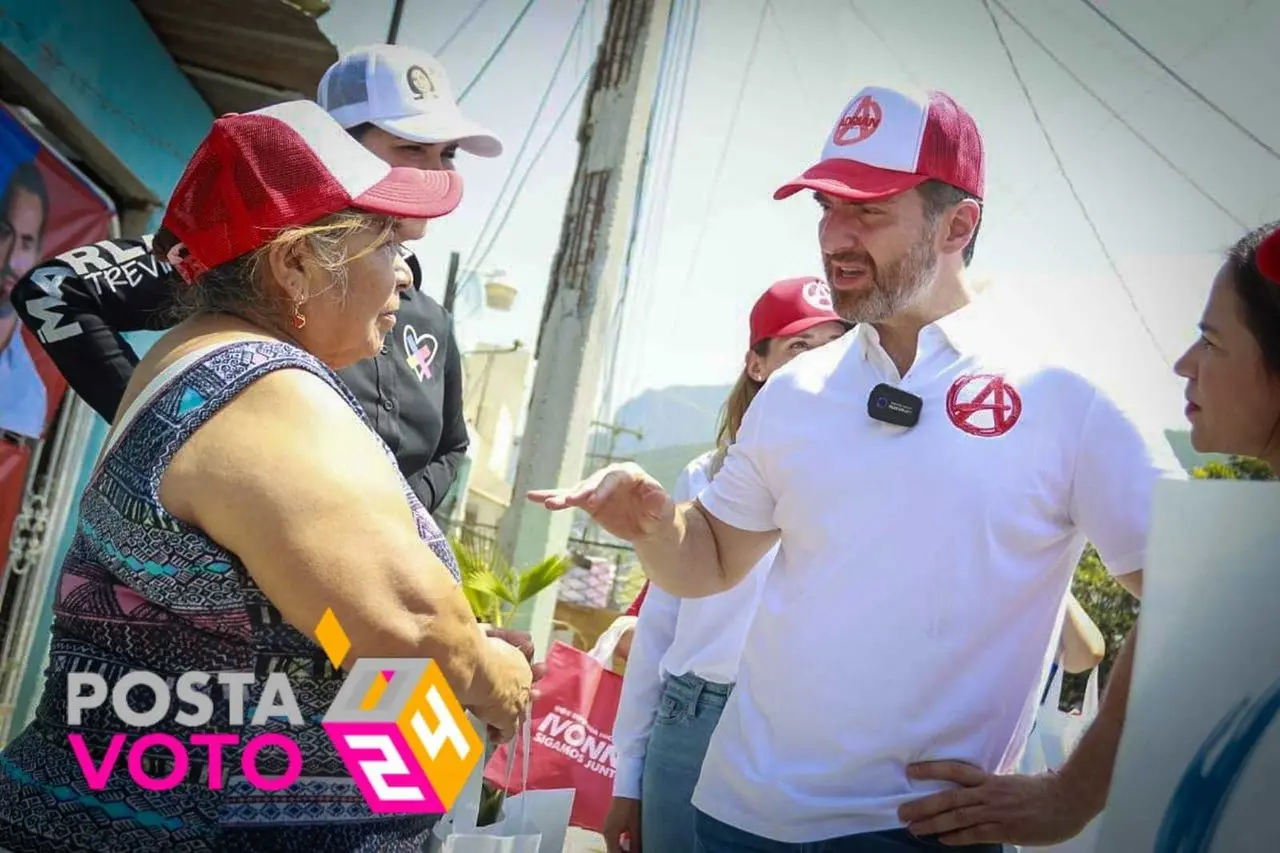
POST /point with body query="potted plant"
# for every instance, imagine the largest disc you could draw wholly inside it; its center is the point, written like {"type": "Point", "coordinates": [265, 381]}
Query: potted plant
{"type": "Point", "coordinates": [495, 591]}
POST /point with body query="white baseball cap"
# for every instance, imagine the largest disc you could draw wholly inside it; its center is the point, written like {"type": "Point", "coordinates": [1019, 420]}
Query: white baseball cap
{"type": "Point", "coordinates": [405, 92]}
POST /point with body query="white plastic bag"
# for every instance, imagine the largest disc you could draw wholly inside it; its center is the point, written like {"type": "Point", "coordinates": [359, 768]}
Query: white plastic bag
{"type": "Point", "coordinates": [533, 823]}
{"type": "Point", "coordinates": [1054, 736]}
{"type": "Point", "coordinates": [1057, 732]}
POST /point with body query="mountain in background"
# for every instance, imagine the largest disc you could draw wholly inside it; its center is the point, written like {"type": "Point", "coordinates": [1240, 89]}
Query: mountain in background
{"type": "Point", "coordinates": [668, 417]}
{"type": "Point", "coordinates": [679, 424]}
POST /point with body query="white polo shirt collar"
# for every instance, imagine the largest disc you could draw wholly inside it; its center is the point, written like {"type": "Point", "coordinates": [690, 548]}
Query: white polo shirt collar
{"type": "Point", "coordinates": [966, 331]}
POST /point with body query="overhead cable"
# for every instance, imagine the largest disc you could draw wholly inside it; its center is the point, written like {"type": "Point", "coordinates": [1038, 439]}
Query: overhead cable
{"type": "Point", "coordinates": [1200, 96]}
{"type": "Point", "coordinates": [1062, 170]}
{"type": "Point", "coordinates": [573, 98]}
{"type": "Point", "coordinates": [524, 143]}
{"type": "Point", "coordinates": [728, 140]}
{"type": "Point", "coordinates": [657, 207]}
{"type": "Point", "coordinates": [1204, 193]}
{"type": "Point", "coordinates": [674, 51]}
{"type": "Point", "coordinates": [502, 43]}
{"type": "Point", "coordinates": [457, 31]}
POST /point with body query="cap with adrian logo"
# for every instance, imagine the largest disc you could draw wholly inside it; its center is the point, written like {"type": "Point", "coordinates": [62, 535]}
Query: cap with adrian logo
{"type": "Point", "coordinates": [288, 165]}
{"type": "Point", "coordinates": [888, 141]}
{"type": "Point", "coordinates": [792, 306]}
{"type": "Point", "coordinates": [405, 92]}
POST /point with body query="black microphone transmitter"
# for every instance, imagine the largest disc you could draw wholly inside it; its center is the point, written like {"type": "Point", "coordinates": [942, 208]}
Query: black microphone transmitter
{"type": "Point", "coordinates": [894, 406]}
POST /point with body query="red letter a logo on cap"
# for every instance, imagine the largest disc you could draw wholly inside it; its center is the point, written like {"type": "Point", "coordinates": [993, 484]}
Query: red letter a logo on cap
{"type": "Point", "coordinates": [859, 123]}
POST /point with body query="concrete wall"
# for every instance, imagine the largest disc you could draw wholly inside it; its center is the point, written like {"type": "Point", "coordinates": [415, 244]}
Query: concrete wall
{"type": "Point", "coordinates": [495, 384]}
{"type": "Point", "coordinates": [101, 80]}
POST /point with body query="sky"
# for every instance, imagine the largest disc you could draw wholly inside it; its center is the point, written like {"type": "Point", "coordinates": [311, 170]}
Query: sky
{"type": "Point", "coordinates": [718, 244]}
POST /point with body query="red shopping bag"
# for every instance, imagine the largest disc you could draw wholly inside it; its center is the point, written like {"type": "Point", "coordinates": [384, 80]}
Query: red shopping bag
{"type": "Point", "coordinates": [572, 731]}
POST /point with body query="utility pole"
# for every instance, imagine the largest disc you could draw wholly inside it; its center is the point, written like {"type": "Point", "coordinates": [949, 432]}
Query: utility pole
{"type": "Point", "coordinates": [451, 282]}
{"type": "Point", "coordinates": [583, 288]}
{"type": "Point", "coordinates": [607, 458]}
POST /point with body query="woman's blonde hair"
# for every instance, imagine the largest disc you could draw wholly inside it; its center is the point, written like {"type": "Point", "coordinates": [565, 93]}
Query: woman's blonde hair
{"type": "Point", "coordinates": [240, 287]}
{"type": "Point", "coordinates": [735, 409]}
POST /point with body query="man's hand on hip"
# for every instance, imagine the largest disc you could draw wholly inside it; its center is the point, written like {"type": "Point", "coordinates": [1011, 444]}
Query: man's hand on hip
{"type": "Point", "coordinates": [984, 808]}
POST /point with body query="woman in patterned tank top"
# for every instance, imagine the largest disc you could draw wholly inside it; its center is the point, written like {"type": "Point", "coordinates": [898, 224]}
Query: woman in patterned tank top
{"type": "Point", "coordinates": [241, 496]}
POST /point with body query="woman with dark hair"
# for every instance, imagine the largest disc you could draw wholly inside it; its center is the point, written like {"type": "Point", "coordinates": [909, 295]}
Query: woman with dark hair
{"type": "Point", "coordinates": [1233, 404]}
{"type": "Point", "coordinates": [1233, 370]}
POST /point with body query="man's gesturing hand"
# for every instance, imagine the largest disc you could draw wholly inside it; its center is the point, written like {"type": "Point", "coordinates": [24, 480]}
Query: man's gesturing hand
{"type": "Point", "coordinates": [622, 499]}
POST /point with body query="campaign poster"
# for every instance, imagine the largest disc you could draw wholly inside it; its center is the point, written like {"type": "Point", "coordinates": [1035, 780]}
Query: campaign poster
{"type": "Point", "coordinates": [1199, 764]}
{"type": "Point", "coordinates": [45, 209]}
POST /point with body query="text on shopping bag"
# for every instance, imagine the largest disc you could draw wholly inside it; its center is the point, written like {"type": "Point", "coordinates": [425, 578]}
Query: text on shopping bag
{"type": "Point", "coordinates": [572, 735]}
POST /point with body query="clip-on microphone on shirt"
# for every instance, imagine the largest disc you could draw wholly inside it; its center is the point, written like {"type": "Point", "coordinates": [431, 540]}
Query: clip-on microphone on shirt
{"type": "Point", "coordinates": [894, 406]}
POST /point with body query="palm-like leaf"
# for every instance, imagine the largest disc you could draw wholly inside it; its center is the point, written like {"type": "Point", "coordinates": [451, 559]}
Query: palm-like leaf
{"type": "Point", "coordinates": [539, 576]}
{"type": "Point", "coordinates": [489, 581]}
{"type": "Point", "coordinates": [478, 581]}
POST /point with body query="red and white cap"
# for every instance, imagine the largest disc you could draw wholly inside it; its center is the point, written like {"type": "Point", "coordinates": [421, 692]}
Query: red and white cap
{"type": "Point", "coordinates": [405, 92]}
{"type": "Point", "coordinates": [792, 306]}
{"type": "Point", "coordinates": [888, 141]}
{"type": "Point", "coordinates": [259, 173]}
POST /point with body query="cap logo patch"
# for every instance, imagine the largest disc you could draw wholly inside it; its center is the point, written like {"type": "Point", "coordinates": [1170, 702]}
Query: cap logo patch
{"type": "Point", "coordinates": [859, 123]}
{"type": "Point", "coordinates": [420, 82]}
{"type": "Point", "coordinates": [818, 296]}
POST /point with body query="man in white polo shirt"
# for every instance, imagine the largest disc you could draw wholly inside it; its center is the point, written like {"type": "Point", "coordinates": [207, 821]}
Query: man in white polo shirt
{"type": "Point", "coordinates": [913, 608]}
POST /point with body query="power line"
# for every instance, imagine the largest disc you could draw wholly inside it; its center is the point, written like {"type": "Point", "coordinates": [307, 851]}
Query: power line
{"type": "Point", "coordinates": [582, 81]}
{"type": "Point", "coordinates": [1062, 170]}
{"type": "Point", "coordinates": [791, 57]}
{"type": "Point", "coordinates": [660, 204]}
{"type": "Point", "coordinates": [675, 52]}
{"type": "Point", "coordinates": [1200, 96]}
{"type": "Point", "coordinates": [728, 140]}
{"type": "Point", "coordinates": [897, 57]}
{"type": "Point", "coordinates": [497, 50]}
{"type": "Point", "coordinates": [524, 143]}
{"type": "Point", "coordinates": [1117, 116]}
{"type": "Point", "coordinates": [475, 10]}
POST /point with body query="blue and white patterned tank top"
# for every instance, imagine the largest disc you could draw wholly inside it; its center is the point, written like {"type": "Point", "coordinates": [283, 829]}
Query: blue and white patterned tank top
{"type": "Point", "coordinates": [141, 590]}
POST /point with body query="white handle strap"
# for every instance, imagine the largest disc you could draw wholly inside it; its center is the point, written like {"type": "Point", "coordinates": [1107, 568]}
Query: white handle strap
{"type": "Point", "coordinates": [605, 647]}
{"type": "Point", "coordinates": [526, 746]}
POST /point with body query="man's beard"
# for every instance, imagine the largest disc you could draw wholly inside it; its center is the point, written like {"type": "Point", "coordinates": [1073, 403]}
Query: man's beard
{"type": "Point", "coordinates": [892, 288]}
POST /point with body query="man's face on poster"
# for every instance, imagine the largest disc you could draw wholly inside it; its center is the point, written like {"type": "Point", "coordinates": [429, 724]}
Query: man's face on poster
{"type": "Point", "coordinates": [21, 234]}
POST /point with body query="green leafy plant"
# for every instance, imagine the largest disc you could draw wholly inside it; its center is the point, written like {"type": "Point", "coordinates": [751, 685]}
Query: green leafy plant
{"type": "Point", "coordinates": [495, 592]}
{"type": "Point", "coordinates": [493, 588]}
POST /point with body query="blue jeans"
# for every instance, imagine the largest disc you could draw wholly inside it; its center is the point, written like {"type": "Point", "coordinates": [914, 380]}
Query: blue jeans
{"type": "Point", "coordinates": [716, 837]}
{"type": "Point", "coordinates": [687, 715]}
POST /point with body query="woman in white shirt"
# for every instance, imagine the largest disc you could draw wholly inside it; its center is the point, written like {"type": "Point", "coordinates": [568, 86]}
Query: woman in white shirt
{"type": "Point", "coordinates": [683, 658]}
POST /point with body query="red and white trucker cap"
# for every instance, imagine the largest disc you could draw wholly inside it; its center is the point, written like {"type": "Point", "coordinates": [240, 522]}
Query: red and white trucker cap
{"type": "Point", "coordinates": [888, 141]}
{"type": "Point", "coordinates": [258, 173]}
{"type": "Point", "coordinates": [405, 92]}
{"type": "Point", "coordinates": [792, 306]}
